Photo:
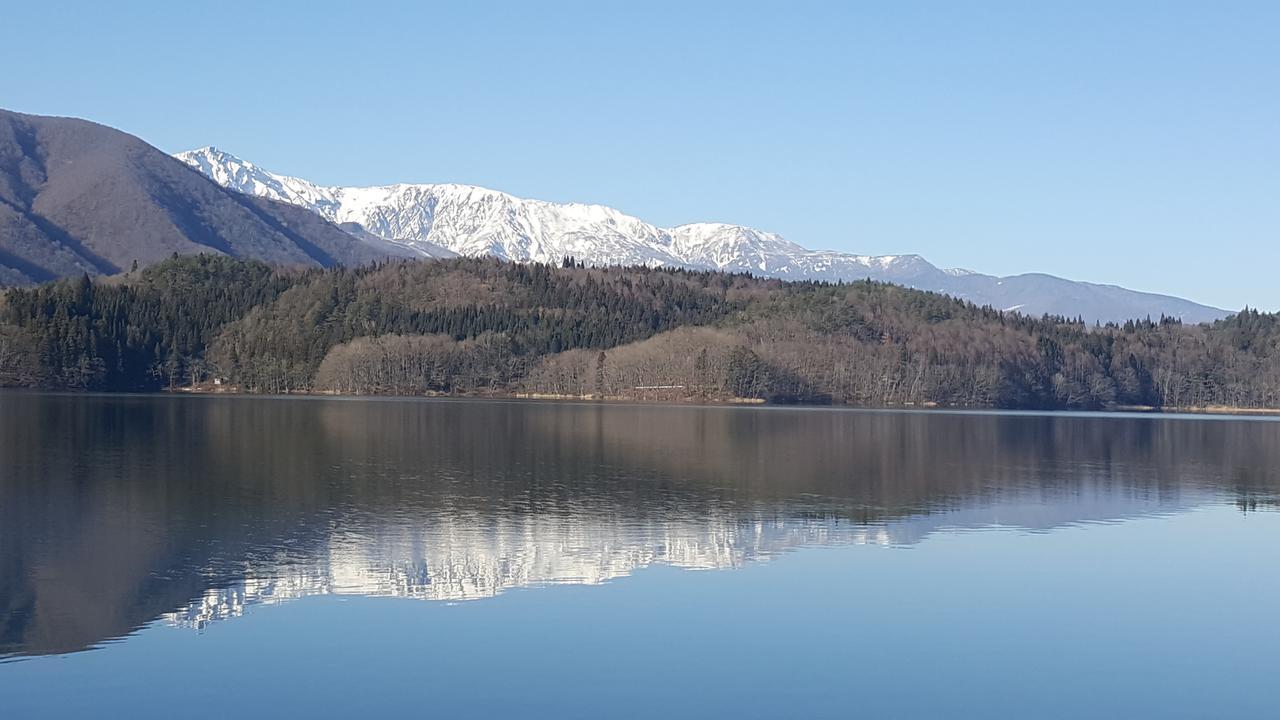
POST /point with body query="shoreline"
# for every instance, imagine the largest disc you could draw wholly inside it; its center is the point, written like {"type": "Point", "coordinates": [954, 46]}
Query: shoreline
{"type": "Point", "coordinates": [1214, 411]}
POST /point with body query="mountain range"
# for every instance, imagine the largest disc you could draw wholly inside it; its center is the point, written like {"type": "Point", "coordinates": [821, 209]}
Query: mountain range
{"type": "Point", "coordinates": [79, 197]}
{"type": "Point", "coordinates": [437, 220]}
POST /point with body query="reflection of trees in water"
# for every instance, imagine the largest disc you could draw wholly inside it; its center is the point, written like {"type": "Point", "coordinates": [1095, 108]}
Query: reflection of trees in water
{"type": "Point", "coordinates": [116, 510]}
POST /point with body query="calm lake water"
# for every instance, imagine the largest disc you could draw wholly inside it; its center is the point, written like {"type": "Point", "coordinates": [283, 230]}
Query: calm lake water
{"type": "Point", "coordinates": [232, 557]}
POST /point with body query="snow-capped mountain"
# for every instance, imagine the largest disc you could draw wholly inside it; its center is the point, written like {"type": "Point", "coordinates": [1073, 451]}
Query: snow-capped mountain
{"type": "Point", "coordinates": [441, 220]}
{"type": "Point", "coordinates": [473, 221]}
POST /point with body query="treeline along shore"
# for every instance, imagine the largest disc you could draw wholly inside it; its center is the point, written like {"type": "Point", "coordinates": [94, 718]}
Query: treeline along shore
{"type": "Point", "coordinates": [487, 327]}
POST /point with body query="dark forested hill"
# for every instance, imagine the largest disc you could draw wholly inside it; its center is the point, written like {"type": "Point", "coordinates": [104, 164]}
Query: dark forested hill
{"type": "Point", "coordinates": [77, 197]}
{"type": "Point", "coordinates": [476, 326]}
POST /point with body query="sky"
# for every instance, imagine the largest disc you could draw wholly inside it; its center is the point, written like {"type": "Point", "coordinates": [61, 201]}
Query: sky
{"type": "Point", "coordinates": [1135, 143]}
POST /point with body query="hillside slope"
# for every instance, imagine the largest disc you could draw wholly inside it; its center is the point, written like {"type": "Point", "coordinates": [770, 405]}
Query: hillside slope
{"type": "Point", "coordinates": [471, 326]}
{"type": "Point", "coordinates": [78, 197]}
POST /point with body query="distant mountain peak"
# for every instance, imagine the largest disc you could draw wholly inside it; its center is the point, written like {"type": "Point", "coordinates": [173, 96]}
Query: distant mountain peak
{"type": "Point", "coordinates": [471, 220]}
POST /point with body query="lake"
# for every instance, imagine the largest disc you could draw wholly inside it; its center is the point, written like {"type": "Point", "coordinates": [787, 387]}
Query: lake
{"type": "Point", "coordinates": [224, 556]}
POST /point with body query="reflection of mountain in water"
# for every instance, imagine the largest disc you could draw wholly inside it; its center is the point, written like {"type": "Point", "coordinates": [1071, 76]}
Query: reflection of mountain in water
{"type": "Point", "coordinates": [434, 563]}
{"type": "Point", "coordinates": [118, 511]}
{"type": "Point", "coordinates": [444, 561]}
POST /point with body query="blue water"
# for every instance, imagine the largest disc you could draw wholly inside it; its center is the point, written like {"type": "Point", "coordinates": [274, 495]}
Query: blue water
{"type": "Point", "coordinates": [226, 557]}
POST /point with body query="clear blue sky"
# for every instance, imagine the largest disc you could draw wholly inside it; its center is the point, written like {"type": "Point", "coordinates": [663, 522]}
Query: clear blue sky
{"type": "Point", "coordinates": [1128, 142]}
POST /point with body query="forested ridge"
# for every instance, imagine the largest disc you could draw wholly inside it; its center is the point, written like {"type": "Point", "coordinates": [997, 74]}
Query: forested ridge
{"type": "Point", "coordinates": [482, 326]}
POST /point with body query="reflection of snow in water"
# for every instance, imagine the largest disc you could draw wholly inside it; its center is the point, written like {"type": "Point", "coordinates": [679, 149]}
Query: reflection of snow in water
{"type": "Point", "coordinates": [466, 562]}
{"type": "Point", "coordinates": [464, 556]}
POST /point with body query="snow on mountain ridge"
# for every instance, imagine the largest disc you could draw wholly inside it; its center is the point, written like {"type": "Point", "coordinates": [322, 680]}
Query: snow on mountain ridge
{"type": "Point", "coordinates": [473, 220]}
{"type": "Point", "coordinates": [438, 220]}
